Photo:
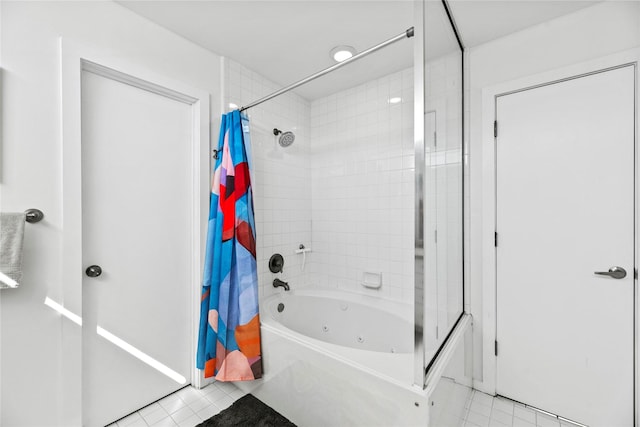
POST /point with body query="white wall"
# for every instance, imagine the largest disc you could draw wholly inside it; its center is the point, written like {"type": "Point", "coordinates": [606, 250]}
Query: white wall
{"type": "Point", "coordinates": [37, 386]}
{"type": "Point", "coordinates": [591, 33]}
{"type": "Point", "coordinates": [281, 177]}
{"type": "Point", "coordinates": [362, 162]}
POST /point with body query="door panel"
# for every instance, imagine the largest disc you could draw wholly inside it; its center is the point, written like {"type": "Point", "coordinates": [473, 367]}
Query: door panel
{"type": "Point", "coordinates": [565, 209]}
{"type": "Point", "coordinates": [136, 201]}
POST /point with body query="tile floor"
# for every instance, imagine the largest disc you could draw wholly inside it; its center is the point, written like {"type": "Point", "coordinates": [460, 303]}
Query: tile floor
{"type": "Point", "coordinates": [187, 407]}
{"type": "Point", "coordinates": [483, 410]}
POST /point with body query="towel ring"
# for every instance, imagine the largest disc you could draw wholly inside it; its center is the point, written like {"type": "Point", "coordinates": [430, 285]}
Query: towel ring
{"type": "Point", "coordinates": [33, 215]}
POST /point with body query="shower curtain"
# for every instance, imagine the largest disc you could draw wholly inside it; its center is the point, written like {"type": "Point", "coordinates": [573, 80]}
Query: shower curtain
{"type": "Point", "coordinates": [229, 338]}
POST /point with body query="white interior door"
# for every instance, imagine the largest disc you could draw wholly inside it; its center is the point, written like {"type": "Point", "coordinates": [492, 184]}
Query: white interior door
{"type": "Point", "coordinates": [137, 190]}
{"type": "Point", "coordinates": [565, 209]}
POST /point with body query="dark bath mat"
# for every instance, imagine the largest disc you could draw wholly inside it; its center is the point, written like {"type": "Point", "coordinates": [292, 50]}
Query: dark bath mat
{"type": "Point", "coordinates": [248, 411]}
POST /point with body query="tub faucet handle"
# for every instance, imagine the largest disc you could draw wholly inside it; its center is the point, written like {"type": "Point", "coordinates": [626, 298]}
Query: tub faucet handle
{"type": "Point", "coordinates": [278, 282]}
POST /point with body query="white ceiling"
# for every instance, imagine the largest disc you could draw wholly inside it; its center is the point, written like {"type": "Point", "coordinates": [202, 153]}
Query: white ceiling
{"type": "Point", "coordinates": [480, 21]}
{"type": "Point", "coordinates": [286, 41]}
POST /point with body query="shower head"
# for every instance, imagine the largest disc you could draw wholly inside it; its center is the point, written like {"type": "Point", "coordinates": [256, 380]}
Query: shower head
{"type": "Point", "coordinates": [285, 139]}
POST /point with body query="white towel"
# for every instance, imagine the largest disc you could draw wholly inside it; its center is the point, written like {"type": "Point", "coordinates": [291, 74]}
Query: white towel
{"type": "Point", "coordinates": [11, 238]}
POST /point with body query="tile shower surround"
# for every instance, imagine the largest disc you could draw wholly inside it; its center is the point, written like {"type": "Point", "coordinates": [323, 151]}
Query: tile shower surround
{"type": "Point", "coordinates": [281, 178]}
{"type": "Point", "coordinates": [345, 188]}
{"type": "Point", "coordinates": [349, 173]}
{"type": "Point", "coordinates": [362, 175]}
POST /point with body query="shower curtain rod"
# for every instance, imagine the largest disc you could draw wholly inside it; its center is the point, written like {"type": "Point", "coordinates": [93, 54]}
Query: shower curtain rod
{"type": "Point", "coordinates": [408, 33]}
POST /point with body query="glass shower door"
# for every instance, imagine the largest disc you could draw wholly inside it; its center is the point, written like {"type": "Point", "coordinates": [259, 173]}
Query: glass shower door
{"type": "Point", "coordinates": [439, 183]}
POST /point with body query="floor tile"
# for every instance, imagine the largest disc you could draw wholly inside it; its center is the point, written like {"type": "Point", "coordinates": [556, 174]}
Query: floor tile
{"type": "Point", "coordinates": [479, 419]}
{"type": "Point", "coordinates": [182, 414]}
{"type": "Point", "coordinates": [155, 416]}
{"type": "Point", "coordinates": [501, 417]}
{"type": "Point", "coordinates": [213, 393]}
{"type": "Point", "coordinates": [191, 421]}
{"type": "Point", "coordinates": [129, 419]}
{"type": "Point", "coordinates": [172, 403]}
{"type": "Point", "coordinates": [189, 394]}
{"type": "Point", "coordinates": [189, 407]}
{"type": "Point", "coordinates": [519, 422]}
{"type": "Point", "coordinates": [468, 402]}
{"type": "Point", "coordinates": [543, 420]}
{"type": "Point", "coordinates": [482, 398]}
{"type": "Point", "coordinates": [483, 410]}
{"type": "Point", "coordinates": [480, 408]}
{"type": "Point", "coordinates": [525, 414]}
{"type": "Point", "coordinates": [226, 387]}
{"type": "Point", "coordinates": [237, 394]}
{"type": "Point", "coordinates": [503, 405]}
{"type": "Point", "coordinates": [224, 403]}
{"type": "Point", "coordinates": [165, 422]}
{"type": "Point", "coordinates": [186, 407]}
{"type": "Point", "coordinates": [148, 409]}
{"type": "Point", "coordinates": [208, 412]}
{"type": "Point", "coordinates": [200, 404]}
{"type": "Point", "coordinates": [465, 413]}
{"type": "Point", "coordinates": [495, 423]}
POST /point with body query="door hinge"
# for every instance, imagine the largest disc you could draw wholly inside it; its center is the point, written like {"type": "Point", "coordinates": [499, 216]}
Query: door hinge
{"type": "Point", "coordinates": [635, 273]}
{"type": "Point", "coordinates": [496, 347]}
{"type": "Point", "coordinates": [495, 239]}
{"type": "Point", "coordinates": [435, 139]}
{"type": "Point", "coordinates": [435, 236]}
{"type": "Point", "coordinates": [495, 128]}
{"type": "Point", "coordinates": [437, 335]}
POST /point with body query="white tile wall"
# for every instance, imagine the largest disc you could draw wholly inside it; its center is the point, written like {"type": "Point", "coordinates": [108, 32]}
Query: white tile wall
{"type": "Point", "coordinates": [281, 177]}
{"type": "Point", "coordinates": [362, 181]}
{"type": "Point", "coordinates": [345, 188]}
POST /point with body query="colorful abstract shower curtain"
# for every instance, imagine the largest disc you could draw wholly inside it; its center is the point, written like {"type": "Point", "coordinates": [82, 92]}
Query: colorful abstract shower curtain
{"type": "Point", "coordinates": [229, 338]}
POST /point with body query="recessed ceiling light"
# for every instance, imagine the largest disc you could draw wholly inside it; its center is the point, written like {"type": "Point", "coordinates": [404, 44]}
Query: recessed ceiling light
{"type": "Point", "coordinates": [340, 53]}
{"type": "Point", "coordinates": [395, 100]}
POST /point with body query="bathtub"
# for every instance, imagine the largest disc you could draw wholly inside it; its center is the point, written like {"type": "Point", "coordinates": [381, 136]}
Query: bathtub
{"type": "Point", "coordinates": [338, 359]}
{"type": "Point", "coordinates": [344, 319]}
{"type": "Point", "coordinates": [369, 331]}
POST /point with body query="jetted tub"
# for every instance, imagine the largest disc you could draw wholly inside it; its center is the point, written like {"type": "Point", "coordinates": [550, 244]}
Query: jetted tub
{"type": "Point", "coordinates": [344, 319]}
{"type": "Point", "coordinates": [338, 358]}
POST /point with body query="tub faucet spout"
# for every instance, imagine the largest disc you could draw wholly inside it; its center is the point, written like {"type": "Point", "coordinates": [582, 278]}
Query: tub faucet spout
{"type": "Point", "coordinates": [278, 282]}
